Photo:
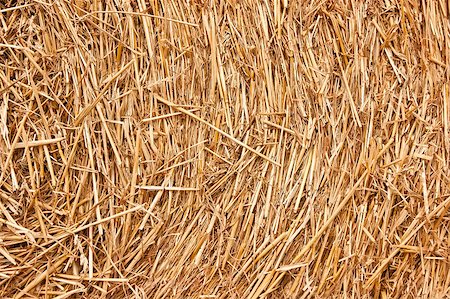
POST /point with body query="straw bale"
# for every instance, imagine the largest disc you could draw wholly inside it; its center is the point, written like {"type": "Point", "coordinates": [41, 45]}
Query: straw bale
{"type": "Point", "coordinates": [224, 149]}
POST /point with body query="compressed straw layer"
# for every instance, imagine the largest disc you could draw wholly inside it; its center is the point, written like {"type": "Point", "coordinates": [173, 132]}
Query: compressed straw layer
{"type": "Point", "coordinates": [224, 149]}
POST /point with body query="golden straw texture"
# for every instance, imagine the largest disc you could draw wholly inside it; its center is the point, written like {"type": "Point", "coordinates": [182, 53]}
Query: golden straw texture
{"type": "Point", "coordinates": [224, 149]}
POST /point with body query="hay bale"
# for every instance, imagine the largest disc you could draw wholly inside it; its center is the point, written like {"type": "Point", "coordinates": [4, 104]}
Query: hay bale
{"type": "Point", "coordinates": [224, 149]}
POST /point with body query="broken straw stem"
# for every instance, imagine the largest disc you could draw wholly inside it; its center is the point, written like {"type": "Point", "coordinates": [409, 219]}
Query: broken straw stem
{"type": "Point", "coordinates": [170, 104]}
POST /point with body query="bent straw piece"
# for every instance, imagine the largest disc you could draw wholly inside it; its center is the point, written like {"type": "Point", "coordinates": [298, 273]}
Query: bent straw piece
{"type": "Point", "coordinates": [150, 119]}
{"type": "Point", "coordinates": [411, 232]}
{"type": "Point", "coordinates": [278, 127]}
{"type": "Point", "coordinates": [106, 219]}
{"type": "Point", "coordinates": [216, 129]}
{"type": "Point", "coordinates": [13, 145]}
{"type": "Point", "coordinates": [8, 256]}
{"type": "Point", "coordinates": [81, 228]}
{"type": "Point", "coordinates": [142, 15]}
{"type": "Point", "coordinates": [15, 7]}
{"type": "Point", "coordinates": [85, 112]}
{"type": "Point", "coordinates": [70, 293]}
{"type": "Point", "coordinates": [36, 143]}
{"type": "Point", "coordinates": [330, 220]}
{"type": "Point", "coordinates": [41, 277]}
{"type": "Point", "coordinates": [12, 46]}
{"type": "Point", "coordinates": [171, 188]}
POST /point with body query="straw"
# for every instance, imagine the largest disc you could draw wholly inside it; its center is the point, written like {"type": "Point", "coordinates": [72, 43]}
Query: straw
{"type": "Point", "coordinates": [224, 149]}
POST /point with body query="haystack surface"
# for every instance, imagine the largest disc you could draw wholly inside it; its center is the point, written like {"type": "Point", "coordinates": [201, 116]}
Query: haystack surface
{"type": "Point", "coordinates": [224, 149]}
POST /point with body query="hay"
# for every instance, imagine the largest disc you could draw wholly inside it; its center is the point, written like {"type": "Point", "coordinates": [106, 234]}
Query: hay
{"type": "Point", "coordinates": [224, 149]}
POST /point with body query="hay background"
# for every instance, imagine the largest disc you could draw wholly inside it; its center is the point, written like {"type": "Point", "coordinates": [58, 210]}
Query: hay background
{"type": "Point", "coordinates": [229, 149]}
